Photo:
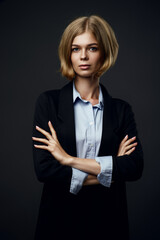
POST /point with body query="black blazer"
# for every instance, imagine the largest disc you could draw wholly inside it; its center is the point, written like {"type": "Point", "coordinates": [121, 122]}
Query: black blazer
{"type": "Point", "coordinates": [62, 212]}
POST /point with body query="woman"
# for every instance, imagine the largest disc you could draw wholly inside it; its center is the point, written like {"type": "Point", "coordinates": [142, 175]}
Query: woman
{"type": "Point", "coordinates": [86, 144]}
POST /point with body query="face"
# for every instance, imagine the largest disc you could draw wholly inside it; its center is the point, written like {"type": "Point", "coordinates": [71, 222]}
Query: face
{"type": "Point", "coordinates": [85, 55]}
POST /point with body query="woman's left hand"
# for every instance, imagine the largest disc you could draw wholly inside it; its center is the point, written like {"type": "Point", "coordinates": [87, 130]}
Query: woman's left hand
{"type": "Point", "coordinates": [52, 144]}
{"type": "Point", "coordinates": [127, 146]}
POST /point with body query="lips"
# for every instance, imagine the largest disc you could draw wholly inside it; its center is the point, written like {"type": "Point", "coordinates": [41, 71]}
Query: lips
{"type": "Point", "coordinates": [84, 66]}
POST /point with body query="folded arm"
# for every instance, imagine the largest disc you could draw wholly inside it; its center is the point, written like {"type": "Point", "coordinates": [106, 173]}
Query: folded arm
{"type": "Point", "coordinates": [55, 162]}
{"type": "Point", "coordinates": [90, 166]}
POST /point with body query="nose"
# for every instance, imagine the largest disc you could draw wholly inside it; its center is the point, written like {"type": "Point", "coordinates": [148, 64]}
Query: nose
{"type": "Point", "coordinates": [84, 55]}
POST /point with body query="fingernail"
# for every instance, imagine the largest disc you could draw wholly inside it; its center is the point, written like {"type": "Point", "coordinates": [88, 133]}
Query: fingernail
{"type": "Point", "coordinates": [126, 136]}
{"type": "Point", "coordinates": [37, 127]}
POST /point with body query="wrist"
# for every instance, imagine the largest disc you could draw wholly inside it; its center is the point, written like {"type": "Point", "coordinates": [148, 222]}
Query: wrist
{"type": "Point", "coordinates": [68, 160]}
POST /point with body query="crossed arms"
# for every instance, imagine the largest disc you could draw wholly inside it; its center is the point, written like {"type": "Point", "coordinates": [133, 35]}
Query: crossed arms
{"type": "Point", "coordinates": [52, 145]}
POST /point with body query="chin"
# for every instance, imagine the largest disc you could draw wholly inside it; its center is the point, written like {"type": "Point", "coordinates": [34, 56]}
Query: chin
{"type": "Point", "coordinates": [85, 75]}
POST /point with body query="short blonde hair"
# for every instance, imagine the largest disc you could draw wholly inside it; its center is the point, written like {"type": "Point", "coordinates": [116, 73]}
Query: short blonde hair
{"type": "Point", "coordinates": [104, 35]}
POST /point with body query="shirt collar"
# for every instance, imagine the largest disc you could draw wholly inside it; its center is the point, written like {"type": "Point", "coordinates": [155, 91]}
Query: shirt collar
{"type": "Point", "coordinates": [76, 95]}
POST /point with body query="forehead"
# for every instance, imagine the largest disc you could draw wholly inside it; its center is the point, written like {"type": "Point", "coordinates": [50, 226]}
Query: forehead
{"type": "Point", "coordinates": [84, 39]}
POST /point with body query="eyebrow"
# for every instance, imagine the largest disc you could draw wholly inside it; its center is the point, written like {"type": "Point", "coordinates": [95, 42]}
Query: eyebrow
{"type": "Point", "coordinates": [87, 45]}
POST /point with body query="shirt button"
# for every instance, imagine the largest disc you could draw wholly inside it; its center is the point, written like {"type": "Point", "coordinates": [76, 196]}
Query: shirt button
{"type": "Point", "coordinates": [91, 123]}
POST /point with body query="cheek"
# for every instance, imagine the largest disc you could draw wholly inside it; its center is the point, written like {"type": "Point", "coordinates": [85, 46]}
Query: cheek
{"type": "Point", "coordinates": [73, 60]}
{"type": "Point", "coordinates": [97, 61]}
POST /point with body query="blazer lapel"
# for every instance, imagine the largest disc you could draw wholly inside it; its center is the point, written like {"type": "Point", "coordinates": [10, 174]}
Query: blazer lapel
{"type": "Point", "coordinates": [66, 117]}
{"type": "Point", "coordinates": [110, 123]}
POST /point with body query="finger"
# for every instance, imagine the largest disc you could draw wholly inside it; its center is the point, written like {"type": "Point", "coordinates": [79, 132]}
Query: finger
{"type": "Point", "coordinates": [45, 133]}
{"type": "Point", "coordinates": [131, 146]}
{"type": "Point", "coordinates": [52, 130]}
{"type": "Point", "coordinates": [130, 151]}
{"type": "Point", "coordinates": [124, 139]}
{"type": "Point", "coordinates": [43, 140]}
{"type": "Point", "coordinates": [41, 146]}
{"type": "Point", "coordinates": [129, 141]}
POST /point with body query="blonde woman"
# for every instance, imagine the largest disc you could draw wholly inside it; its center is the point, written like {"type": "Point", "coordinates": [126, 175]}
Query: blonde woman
{"type": "Point", "coordinates": [85, 142]}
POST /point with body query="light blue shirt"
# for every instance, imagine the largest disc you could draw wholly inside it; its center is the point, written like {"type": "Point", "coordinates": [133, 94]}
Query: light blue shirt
{"type": "Point", "coordinates": [88, 128]}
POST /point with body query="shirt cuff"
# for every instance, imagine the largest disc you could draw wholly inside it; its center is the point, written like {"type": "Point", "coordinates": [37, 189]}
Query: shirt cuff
{"type": "Point", "coordinates": [105, 176]}
{"type": "Point", "coordinates": [77, 180]}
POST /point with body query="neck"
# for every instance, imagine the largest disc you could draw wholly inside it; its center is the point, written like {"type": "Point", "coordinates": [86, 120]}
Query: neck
{"type": "Point", "coordinates": [87, 87]}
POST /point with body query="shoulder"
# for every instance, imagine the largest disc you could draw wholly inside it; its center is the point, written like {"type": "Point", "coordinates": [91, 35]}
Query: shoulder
{"type": "Point", "coordinates": [54, 94]}
{"type": "Point", "coordinates": [123, 108]}
{"type": "Point", "coordinates": [123, 111]}
{"type": "Point", "coordinates": [120, 103]}
{"type": "Point", "coordinates": [49, 94]}
{"type": "Point", "coordinates": [47, 101]}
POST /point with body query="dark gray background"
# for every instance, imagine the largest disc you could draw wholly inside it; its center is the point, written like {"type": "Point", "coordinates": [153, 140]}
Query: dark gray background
{"type": "Point", "coordinates": [29, 35]}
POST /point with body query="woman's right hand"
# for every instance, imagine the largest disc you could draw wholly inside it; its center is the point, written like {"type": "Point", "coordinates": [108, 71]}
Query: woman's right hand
{"type": "Point", "coordinates": [127, 146]}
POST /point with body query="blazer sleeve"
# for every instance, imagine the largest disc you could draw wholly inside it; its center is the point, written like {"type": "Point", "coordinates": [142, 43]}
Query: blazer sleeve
{"type": "Point", "coordinates": [47, 168]}
{"type": "Point", "coordinates": [128, 167]}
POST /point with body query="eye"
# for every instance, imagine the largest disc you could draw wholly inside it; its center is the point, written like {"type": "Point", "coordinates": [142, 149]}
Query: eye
{"type": "Point", "coordinates": [93, 49]}
{"type": "Point", "coordinates": [76, 49]}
